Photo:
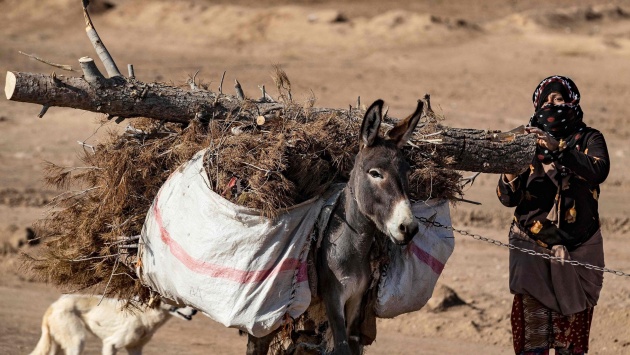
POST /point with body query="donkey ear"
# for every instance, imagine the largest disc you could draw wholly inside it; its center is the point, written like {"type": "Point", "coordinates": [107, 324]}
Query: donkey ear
{"type": "Point", "coordinates": [371, 123]}
{"type": "Point", "coordinates": [403, 130]}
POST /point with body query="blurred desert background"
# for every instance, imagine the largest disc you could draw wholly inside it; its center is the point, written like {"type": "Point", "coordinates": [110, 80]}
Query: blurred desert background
{"type": "Point", "coordinates": [479, 60]}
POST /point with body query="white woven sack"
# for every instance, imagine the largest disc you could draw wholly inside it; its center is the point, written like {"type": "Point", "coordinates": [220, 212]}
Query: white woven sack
{"type": "Point", "coordinates": [413, 271]}
{"type": "Point", "coordinates": [240, 269]}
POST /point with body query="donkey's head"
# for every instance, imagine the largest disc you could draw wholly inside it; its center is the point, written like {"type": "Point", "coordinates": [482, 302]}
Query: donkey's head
{"type": "Point", "coordinates": [379, 179]}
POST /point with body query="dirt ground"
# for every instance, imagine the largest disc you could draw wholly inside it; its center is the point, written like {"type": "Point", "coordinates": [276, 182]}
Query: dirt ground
{"type": "Point", "coordinates": [480, 61]}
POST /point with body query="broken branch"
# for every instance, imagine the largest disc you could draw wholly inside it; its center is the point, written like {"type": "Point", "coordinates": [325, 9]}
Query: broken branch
{"type": "Point", "coordinates": [239, 90]}
{"type": "Point", "coordinates": [99, 46]}
{"type": "Point", "coordinates": [60, 66]}
{"type": "Point", "coordinates": [90, 72]}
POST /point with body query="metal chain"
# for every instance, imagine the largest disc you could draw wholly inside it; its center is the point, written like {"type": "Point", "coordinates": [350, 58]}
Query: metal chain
{"type": "Point", "coordinates": [523, 250]}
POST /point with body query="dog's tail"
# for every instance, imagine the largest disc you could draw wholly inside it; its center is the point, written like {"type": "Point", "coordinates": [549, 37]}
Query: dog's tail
{"type": "Point", "coordinates": [44, 344]}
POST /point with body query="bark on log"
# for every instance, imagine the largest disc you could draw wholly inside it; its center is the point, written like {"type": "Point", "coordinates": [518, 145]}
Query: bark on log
{"type": "Point", "coordinates": [468, 149]}
{"type": "Point", "coordinates": [122, 97]}
{"type": "Point", "coordinates": [476, 150]}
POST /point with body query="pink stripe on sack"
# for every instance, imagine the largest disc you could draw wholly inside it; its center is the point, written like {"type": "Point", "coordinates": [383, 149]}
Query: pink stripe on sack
{"type": "Point", "coordinates": [302, 273]}
{"type": "Point", "coordinates": [436, 265]}
{"type": "Point", "coordinates": [219, 271]}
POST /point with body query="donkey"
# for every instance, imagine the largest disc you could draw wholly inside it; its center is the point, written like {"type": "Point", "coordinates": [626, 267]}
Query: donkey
{"type": "Point", "coordinates": [374, 204]}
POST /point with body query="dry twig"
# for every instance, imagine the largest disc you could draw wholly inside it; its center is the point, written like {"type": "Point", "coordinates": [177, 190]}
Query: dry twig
{"type": "Point", "coordinates": [60, 66]}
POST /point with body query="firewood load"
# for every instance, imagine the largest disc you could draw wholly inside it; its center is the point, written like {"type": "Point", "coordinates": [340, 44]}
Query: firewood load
{"type": "Point", "coordinates": [261, 153]}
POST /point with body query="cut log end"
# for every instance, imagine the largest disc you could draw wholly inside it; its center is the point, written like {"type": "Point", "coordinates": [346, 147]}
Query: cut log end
{"type": "Point", "coordinates": [9, 86]}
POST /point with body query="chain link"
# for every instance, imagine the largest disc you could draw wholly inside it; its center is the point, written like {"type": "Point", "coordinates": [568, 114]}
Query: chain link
{"type": "Point", "coordinates": [523, 250]}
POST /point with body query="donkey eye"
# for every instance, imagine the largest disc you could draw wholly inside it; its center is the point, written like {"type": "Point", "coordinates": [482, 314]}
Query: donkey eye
{"type": "Point", "coordinates": [375, 174]}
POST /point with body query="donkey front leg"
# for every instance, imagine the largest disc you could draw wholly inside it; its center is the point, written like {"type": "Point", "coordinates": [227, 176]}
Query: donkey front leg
{"type": "Point", "coordinates": [337, 322]}
{"type": "Point", "coordinates": [353, 323]}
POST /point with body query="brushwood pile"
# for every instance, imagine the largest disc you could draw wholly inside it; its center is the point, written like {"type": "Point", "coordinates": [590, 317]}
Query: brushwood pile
{"type": "Point", "coordinates": [289, 159]}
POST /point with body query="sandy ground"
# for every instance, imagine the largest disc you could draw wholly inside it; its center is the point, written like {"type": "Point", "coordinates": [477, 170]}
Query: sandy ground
{"type": "Point", "coordinates": [480, 62]}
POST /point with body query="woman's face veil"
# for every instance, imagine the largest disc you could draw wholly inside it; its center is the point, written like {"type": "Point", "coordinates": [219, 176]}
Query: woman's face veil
{"type": "Point", "coordinates": [562, 120]}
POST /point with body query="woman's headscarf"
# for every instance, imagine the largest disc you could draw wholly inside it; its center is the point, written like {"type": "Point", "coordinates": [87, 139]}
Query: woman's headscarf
{"type": "Point", "coordinates": [560, 121]}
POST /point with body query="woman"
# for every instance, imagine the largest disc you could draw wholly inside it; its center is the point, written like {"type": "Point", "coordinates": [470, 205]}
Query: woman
{"type": "Point", "coordinates": [556, 213]}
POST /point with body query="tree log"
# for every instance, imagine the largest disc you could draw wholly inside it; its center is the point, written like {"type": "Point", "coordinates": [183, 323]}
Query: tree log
{"type": "Point", "coordinates": [121, 97]}
{"type": "Point", "coordinates": [479, 150]}
{"type": "Point", "coordinates": [467, 149]}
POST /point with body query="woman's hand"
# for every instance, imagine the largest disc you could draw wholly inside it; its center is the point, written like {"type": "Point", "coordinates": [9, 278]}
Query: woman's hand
{"type": "Point", "coordinates": [510, 177]}
{"type": "Point", "coordinates": [544, 139]}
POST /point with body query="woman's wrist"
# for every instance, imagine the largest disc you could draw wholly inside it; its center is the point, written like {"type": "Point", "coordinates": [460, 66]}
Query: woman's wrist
{"type": "Point", "coordinates": [558, 152]}
{"type": "Point", "coordinates": [509, 178]}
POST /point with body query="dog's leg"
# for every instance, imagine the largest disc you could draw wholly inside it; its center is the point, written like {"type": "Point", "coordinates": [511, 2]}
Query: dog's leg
{"type": "Point", "coordinates": [46, 344]}
{"type": "Point", "coordinates": [67, 330]}
{"type": "Point", "coordinates": [109, 348]}
{"type": "Point", "coordinates": [134, 350]}
{"type": "Point", "coordinates": [260, 346]}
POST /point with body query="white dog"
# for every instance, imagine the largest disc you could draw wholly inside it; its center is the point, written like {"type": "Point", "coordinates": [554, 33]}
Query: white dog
{"type": "Point", "coordinates": [67, 321]}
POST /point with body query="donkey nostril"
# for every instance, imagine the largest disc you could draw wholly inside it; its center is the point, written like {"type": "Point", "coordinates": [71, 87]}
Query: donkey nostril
{"type": "Point", "coordinates": [414, 229]}
{"type": "Point", "coordinates": [408, 229]}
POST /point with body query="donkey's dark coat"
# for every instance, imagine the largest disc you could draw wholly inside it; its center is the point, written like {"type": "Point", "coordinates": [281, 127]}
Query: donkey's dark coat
{"type": "Point", "coordinates": [374, 204]}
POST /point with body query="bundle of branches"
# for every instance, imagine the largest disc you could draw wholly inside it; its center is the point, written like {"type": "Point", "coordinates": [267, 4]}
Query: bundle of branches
{"type": "Point", "coordinates": [289, 159]}
{"type": "Point", "coordinates": [297, 156]}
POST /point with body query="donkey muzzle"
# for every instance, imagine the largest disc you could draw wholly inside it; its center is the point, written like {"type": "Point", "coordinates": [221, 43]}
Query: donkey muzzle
{"type": "Point", "coordinates": [401, 225]}
{"type": "Point", "coordinates": [406, 233]}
